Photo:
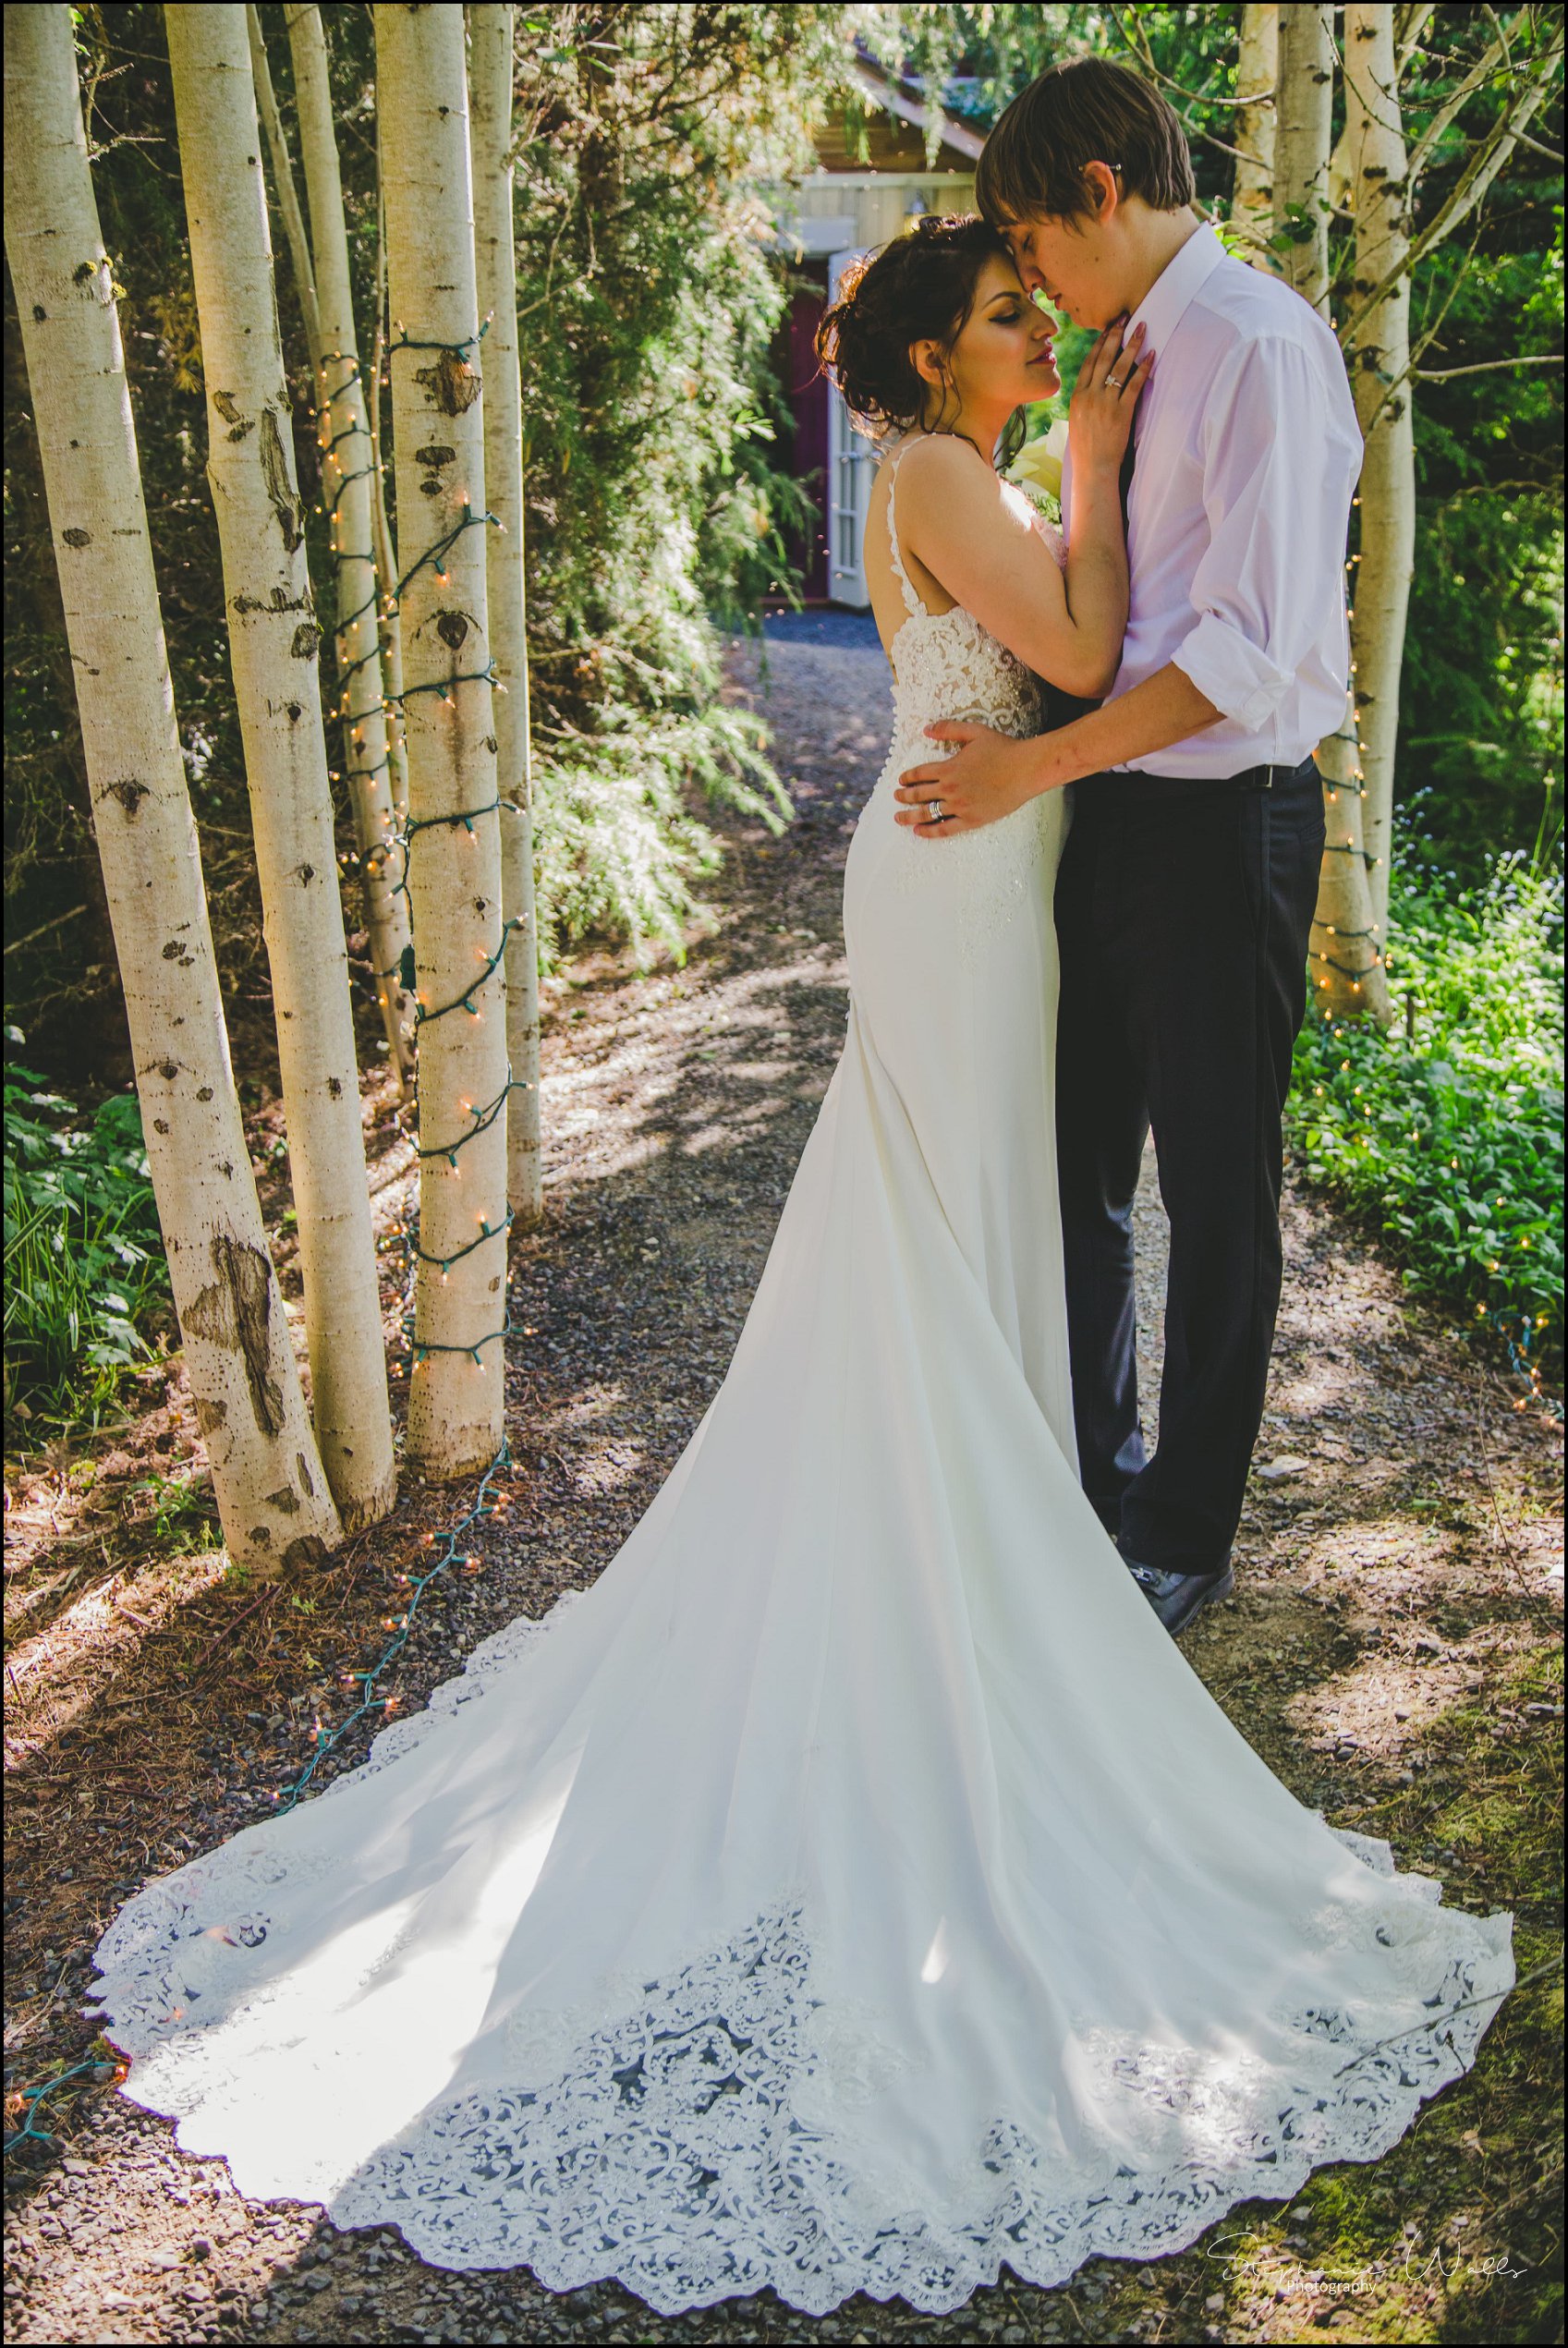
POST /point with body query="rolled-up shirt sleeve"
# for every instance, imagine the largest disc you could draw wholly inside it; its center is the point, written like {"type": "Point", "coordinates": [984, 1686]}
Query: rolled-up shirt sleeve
{"type": "Point", "coordinates": [1276, 546]}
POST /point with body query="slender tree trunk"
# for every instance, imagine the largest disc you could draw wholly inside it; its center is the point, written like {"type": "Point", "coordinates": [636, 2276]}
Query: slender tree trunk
{"type": "Point", "coordinates": [386, 552]}
{"type": "Point", "coordinates": [490, 79]}
{"type": "Point", "coordinates": [1378, 352]}
{"type": "Point", "coordinates": [456, 1396]}
{"type": "Point", "coordinates": [1257, 71]}
{"type": "Point", "coordinates": [287, 194]}
{"type": "Point", "coordinates": [348, 495]}
{"type": "Point", "coordinates": [1301, 148]}
{"type": "Point", "coordinates": [273, 644]}
{"type": "Point", "coordinates": [267, 1475]}
{"type": "Point", "coordinates": [1348, 980]}
{"type": "Point", "coordinates": [1346, 961]}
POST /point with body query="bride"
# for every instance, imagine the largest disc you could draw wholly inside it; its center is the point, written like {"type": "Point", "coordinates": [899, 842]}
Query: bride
{"type": "Point", "coordinates": [855, 1889]}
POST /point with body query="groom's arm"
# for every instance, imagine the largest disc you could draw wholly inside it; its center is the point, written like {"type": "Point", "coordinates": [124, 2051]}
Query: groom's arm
{"type": "Point", "coordinates": [1002, 773]}
{"type": "Point", "coordinates": [1276, 452]}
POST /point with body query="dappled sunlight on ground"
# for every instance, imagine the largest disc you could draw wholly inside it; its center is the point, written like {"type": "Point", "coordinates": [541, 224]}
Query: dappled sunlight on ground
{"type": "Point", "coordinates": [1390, 1650]}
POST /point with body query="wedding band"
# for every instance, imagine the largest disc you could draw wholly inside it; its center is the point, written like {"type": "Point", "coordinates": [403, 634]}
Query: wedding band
{"type": "Point", "coordinates": [933, 812]}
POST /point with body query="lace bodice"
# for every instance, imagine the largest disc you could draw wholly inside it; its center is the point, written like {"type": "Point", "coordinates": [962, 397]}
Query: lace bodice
{"type": "Point", "coordinates": [945, 665]}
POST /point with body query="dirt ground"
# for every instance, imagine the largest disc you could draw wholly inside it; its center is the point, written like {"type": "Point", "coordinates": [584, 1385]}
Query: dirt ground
{"type": "Point", "coordinates": [1392, 1650]}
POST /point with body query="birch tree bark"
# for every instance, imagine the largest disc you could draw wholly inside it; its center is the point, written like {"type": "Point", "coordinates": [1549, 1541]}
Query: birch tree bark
{"type": "Point", "coordinates": [457, 1395]}
{"type": "Point", "coordinates": [1377, 342]}
{"type": "Point", "coordinates": [1345, 960]}
{"type": "Point", "coordinates": [271, 1488]}
{"type": "Point", "coordinates": [1257, 71]}
{"type": "Point", "coordinates": [386, 552]}
{"type": "Point", "coordinates": [287, 194]}
{"type": "Point", "coordinates": [347, 492]}
{"type": "Point", "coordinates": [1301, 148]}
{"type": "Point", "coordinates": [489, 76]}
{"type": "Point", "coordinates": [273, 646]}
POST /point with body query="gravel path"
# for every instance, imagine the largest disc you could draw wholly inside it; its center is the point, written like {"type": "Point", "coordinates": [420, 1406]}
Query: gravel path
{"type": "Point", "coordinates": [676, 1104]}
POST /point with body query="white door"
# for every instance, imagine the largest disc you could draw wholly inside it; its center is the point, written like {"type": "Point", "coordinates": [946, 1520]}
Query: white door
{"type": "Point", "coordinates": [851, 463]}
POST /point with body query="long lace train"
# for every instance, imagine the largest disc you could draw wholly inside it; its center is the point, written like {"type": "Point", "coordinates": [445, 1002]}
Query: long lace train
{"type": "Point", "coordinates": [695, 2135]}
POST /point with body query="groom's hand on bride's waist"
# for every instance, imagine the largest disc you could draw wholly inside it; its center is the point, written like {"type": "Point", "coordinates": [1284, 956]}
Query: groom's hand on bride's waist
{"type": "Point", "coordinates": [992, 773]}
{"type": "Point", "coordinates": [985, 778]}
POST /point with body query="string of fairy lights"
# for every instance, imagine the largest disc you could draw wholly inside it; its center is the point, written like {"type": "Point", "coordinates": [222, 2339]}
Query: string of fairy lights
{"type": "Point", "coordinates": [400, 836]}
{"type": "Point", "coordinates": [445, 1549]}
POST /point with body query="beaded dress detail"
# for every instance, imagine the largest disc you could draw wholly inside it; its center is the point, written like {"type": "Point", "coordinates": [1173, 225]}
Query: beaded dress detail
{"type": "Point", "coordinates": [855, 1889]}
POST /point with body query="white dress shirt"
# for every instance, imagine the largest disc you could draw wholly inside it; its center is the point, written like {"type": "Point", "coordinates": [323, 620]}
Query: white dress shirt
{"type": "Point", "coordinates": [1248, 450]}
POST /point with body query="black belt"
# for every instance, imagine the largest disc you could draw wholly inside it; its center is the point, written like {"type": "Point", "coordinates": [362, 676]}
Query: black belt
{"type": "Point", "coordinates": [1263, 778]}
{"type": "Point", "coordinates": [1136, 783]}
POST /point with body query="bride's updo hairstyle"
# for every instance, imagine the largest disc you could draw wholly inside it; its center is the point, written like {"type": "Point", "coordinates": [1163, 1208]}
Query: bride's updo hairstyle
{"type": "Point", "coordinates": [919, 289]}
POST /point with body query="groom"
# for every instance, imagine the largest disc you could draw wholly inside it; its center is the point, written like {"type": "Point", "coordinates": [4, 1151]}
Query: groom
{"type": "Point", "coordinates": [1186, 889]}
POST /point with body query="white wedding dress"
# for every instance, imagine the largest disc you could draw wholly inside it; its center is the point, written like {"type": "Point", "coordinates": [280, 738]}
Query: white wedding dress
{"type": "Point", "coordinates": [855, 1889]}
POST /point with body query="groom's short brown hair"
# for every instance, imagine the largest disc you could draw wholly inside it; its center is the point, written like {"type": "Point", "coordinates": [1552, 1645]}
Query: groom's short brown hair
{"type": "Point", "coordinates": [1084, 111]}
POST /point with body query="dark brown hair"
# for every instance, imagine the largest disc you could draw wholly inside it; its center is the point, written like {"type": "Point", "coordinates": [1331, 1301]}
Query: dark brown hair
{"type": "Point", "coordinates": [919, 289]}
{"type": "Point", "coordinates": [1083, 110]}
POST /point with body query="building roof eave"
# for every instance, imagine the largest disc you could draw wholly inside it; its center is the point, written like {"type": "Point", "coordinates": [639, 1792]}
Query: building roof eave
{"type": "Point", "coordinates": [886, 95]}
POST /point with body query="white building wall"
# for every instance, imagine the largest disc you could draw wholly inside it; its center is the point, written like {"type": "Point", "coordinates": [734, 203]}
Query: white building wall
{"type": "Point", "coordinates": [850, 211]}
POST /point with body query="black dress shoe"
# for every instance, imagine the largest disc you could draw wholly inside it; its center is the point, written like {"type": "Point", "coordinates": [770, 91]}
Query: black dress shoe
{"type": "Point", "coordinates": [1179, 1599]}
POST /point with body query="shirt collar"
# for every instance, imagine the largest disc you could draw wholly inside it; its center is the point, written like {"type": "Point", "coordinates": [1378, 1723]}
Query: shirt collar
{"type": "Point", "coordinates": [1166, 300]}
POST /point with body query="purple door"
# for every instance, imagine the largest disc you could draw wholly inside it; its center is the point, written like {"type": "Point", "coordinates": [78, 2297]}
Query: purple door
{"type": "Point", "coordinates": [806, 389]}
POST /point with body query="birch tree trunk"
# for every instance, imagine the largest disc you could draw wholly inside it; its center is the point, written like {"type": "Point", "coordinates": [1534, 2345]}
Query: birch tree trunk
{"type": "Point", "coordinates": [1301, 148]}
{"type": "Point", "coordinates": [272, 645]}
{"type": "Point", "coordinates": [1257, 71]}
{"type": "Point", "coordinates": [1376, 340]}
{"type": "Point", "coordinates": [347, 492]}
{"type": "Point", "coordinates": [491, 82]}
{"type": "Point", "coordinates": [287, 194]}
{"type": "Point", "coordinates": [267, 1475]}
{"type": "Point", "coordinates": [1346, 964]}
{"type": "Point", "coordinates": [457, 1395]}
{"type": "Point", "coordinates": [386, 552]}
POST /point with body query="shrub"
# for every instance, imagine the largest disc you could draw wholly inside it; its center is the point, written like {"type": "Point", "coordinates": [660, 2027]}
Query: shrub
{"type": "Point", "coordinates": [85, 1270]}
{"type": "Point", "coordinates": [646, 297]}
{"type": "Point", "coordinates": [1447, 1130]}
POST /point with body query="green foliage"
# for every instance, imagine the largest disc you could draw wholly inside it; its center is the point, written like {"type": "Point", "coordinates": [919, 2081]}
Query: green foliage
{"type": "Point", "coordinates": [1480, 752]}
{"type": "Point", "coordinates": [85, 1270]}
{"type": "Point", "coordinates": [1480, 757]}
{"type": "Point", "coordinates": [619, 849]}
{"type": "Point", "coordinates": [1447, 1130]}
{"type": "Point", "coordinates": [648, 298]}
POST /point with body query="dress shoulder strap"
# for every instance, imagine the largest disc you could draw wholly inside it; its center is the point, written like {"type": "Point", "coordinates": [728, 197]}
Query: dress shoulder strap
{"type": "Point", "coordinates": [912, 603]}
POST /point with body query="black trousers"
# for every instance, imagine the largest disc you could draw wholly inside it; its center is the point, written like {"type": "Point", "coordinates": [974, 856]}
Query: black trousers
{"type": "Point", "coordinates": [1182, 912]}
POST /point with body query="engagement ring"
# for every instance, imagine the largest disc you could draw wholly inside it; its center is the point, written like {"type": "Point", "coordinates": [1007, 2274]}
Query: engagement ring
{"type": "Point", "coordinates": [936, 815]}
